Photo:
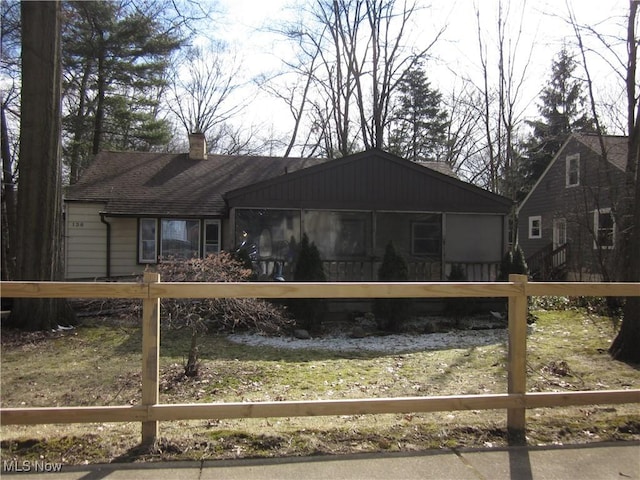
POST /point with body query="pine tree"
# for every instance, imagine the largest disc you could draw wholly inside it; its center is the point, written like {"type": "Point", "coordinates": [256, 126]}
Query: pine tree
{"type": "Point", "coordinates": [419, 125]}
{"type": "Point", "coordinates": [563, 111]}
{"type": "Point", "coordinates": [115, 58]}
{"type": "Point", "coordinates": [308, 312]}
{"type": "Point", "coordinates": [392, 312]}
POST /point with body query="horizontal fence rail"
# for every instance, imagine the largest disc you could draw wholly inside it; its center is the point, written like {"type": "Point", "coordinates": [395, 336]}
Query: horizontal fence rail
{"type": "Point", "coordinates": [314, 289]}
{"type": "Point", "coordinates": [151, 290]}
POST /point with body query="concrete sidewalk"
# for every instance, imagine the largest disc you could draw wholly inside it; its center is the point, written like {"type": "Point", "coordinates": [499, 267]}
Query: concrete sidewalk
{"type": "Point", "coordinates": [619, 461]}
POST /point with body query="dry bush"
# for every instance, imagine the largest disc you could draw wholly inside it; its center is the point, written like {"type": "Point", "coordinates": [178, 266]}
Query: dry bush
{"type": "Point", "coordinates": [217, 314]}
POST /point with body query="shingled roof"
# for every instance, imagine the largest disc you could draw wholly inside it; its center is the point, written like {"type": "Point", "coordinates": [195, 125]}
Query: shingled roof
{"type": "Point", "coordinates": [169, 184]}
{"type": "Point", "coordinates": [140, 183]}
{"type": "Point", "coordinates": [616, 147]}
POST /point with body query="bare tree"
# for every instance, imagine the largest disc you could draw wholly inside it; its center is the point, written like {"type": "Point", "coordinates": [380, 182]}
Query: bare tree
{"type": "Point", "coordinates": [465, 139]}
{"type": "Point", "coordinates": [625, 208]}
{"type": "Point", "coordinates": [9, 121]}
{"type": "Point", "coordinates": [202, 86]}
{"type": "Point", "coordinates": [358, 51]}
{"type": "Point", "coordinates": [500, 102]}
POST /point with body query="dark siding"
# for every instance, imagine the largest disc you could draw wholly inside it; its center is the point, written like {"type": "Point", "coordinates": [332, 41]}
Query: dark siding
{"type": "Point", "coordinates": [552, 199]}
{"type": "Point", "coordinates": [374, 182]}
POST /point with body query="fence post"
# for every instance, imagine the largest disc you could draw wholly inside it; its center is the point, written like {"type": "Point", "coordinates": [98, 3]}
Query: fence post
{"type": "Point", "coordinates": [150, 357]}
{"type": "Point", "coordinates": [517, 359]}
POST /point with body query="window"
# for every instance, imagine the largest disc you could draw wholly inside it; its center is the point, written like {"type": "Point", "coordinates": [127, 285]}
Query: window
{"type": "Point", "coordinates": [180, 238]}
{"type": "Point", "coordinates": [147, 240]}
{"type": "Point", "coordinates": [211, 237]}
{"type": "Point", "coordinates": [572, 170]}
{"type": "Point", "coordinates": [176, 238]}
{"type": "Point", "coordinates": [425, 238]}
{"type": "Point", "coordinates": [535, 227]}
{"type": "Point", "coordinates": [604, 229]}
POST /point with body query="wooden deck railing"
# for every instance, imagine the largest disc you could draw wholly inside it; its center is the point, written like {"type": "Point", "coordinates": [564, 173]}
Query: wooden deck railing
{"type": "Point", "coordinates": [516, 400]}
{"type": "Point", "coordinates": [366, 270]}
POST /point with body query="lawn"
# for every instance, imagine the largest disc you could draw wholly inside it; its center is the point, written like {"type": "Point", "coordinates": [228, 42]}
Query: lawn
{"type": "Point", "coordinates": [99, 362]}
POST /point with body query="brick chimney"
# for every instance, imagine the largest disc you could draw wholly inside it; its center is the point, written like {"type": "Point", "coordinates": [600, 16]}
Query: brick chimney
{"type": "Point", "coordinates": [197, 146]}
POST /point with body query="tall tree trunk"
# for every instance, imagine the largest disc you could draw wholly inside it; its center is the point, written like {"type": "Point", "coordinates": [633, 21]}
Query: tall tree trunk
{"type": "Point", "coordinates": [626, 345]}
{"type": "Point", "coordinates": [102, 85]}
{"type": "Point", "coordinates": [39, 209]}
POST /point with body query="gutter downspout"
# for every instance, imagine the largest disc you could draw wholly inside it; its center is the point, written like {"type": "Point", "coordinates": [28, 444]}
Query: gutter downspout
{"type": "Point", "coordinates": [102, 219]}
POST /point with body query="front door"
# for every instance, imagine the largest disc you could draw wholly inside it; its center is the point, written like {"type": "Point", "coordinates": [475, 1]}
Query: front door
{"type": "Point", "coordinates": [559, 232]}
{"type": "Point", "coordinates": [559, 239]}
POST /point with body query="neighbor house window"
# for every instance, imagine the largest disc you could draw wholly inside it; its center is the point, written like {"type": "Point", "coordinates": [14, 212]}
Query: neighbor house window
{"type": "Point", "coordinates": [535, 227]}
{"type": "Point", "coordinates": [573, 170]}
{"type": "Point", "coordinates": [179, 238]}
{"type": "Point", "coordinates": [148, 240]}
{"type": "Point", "coordinates": [211, 237]}
{"type": "Point", "coordinates": [604, 229]}
{"type": "Point", "coordinates": [425, 238]}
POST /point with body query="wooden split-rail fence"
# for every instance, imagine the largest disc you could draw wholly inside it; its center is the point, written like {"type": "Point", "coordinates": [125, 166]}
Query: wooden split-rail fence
{"type": "Point", "coordinates": [149, 412]}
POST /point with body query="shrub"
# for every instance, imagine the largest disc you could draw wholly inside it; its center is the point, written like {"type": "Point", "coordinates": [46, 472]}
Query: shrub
{"type": "Point", "coordinates": [458, 307]}
{"type": "Point", "coordinates": [219, 314]}
{"type": "Point", "coordinates": [513, 262]}
{"type": "Point", "coordinates": [391, 312]}
{"type": "Point", "coordinates": [308, 312]}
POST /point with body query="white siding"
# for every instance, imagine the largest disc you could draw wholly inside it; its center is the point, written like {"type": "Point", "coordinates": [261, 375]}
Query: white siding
{"type": "Point", "coordinates": [124, 244]}
{"type": "Point", "coordinates": [85, 241]}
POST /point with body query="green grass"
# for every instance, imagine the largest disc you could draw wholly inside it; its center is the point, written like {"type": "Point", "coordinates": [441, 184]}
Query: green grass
{"type": "Point", "coordinates": [99, 364]}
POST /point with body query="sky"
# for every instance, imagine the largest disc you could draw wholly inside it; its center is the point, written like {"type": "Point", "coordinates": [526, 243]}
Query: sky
{"type": "Point", "coordinates": [244, 24]}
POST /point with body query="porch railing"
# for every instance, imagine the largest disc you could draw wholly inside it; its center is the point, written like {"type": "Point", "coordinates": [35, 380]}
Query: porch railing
{"type": "Point", "coordinates": [549, 263]}
{"type": "Point", "coordinates": [365, 270]}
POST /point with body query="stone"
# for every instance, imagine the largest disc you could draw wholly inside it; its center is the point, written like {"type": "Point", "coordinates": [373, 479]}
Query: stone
{"type": "Point", "coordinates": [301, 334]}
{"type": "Point", "coordinates": [358, 332]}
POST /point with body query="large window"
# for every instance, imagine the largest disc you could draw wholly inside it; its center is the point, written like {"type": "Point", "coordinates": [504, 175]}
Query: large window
{"type": "Point", "coordinates": [180, 238]}
{"type": "Point", "coordinates": [604, 228]}
{"type": "Point", "coordinates": [339, 235]}
{"type": "Point", "coordinates": [535, 227]}
{"type": "Point", "coordinates": [148, 240]}
{"type": "Point", "coordinates": [267, 234]}
{"type": "Point", "coordinates": [176, 238]}
{"type": "Point", "coordinates": [572, 170]}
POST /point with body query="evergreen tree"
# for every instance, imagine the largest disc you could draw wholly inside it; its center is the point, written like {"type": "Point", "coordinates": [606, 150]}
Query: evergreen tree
{"type": "Point", "coordinates": [391, 312]}
{"type": "Point", "coordinates": [563, 111]}
{"type": "Point", "coordinates": [419, 125]}
{"type": "Point", "coordinates": [115, 58]}
{"type": "Point", "coordinates": [308, 312]}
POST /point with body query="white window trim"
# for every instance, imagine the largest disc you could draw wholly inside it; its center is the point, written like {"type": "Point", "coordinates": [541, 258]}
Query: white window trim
{"type": "Point", "coordinates": [569, 159]}
{"type": "Point", "coordinates": [533, 219]}
{"type": "Point", "coordinates": [140, 246]}
{"type": "Point", "coordinates": [204, 233]}
{"type": "Point", "coordinates": [559, 226]}
{"type": "Point", "coordinates": [596, 229]}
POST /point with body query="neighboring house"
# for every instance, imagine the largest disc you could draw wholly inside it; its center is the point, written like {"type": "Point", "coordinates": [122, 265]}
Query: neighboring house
{"type": "Point", "coordinates": [132, 209]}
{"type": "Point", "coordinates": [566, 224]}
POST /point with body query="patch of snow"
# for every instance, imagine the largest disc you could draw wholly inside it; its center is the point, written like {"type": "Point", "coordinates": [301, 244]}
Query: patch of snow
{"type": "Point", "coordinates": [397, 343]}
